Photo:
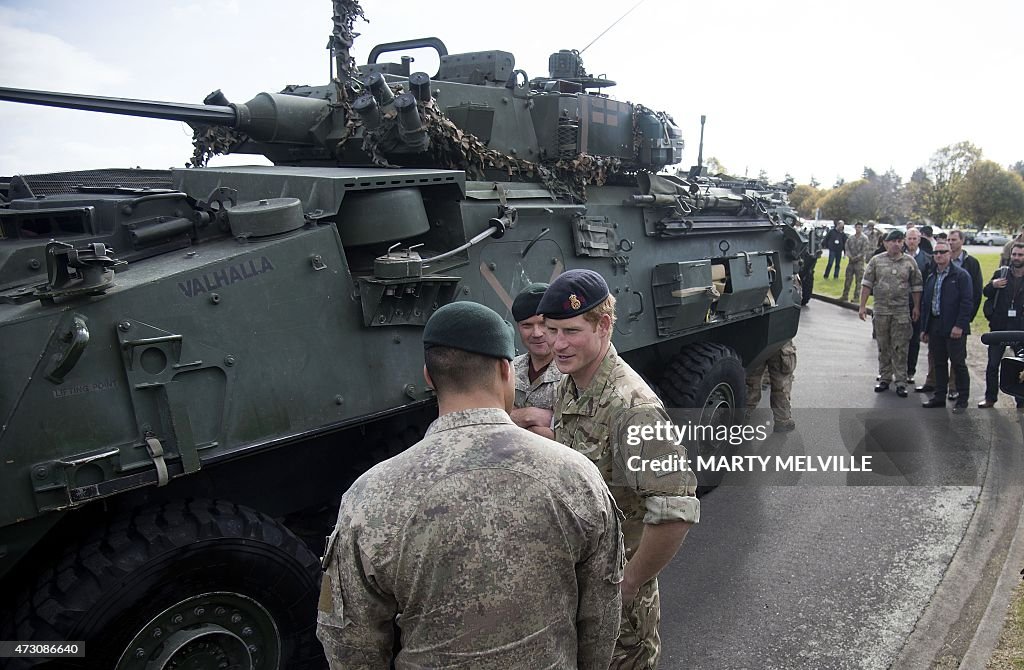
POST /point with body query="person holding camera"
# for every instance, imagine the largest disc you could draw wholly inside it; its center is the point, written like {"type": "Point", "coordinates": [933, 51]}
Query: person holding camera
{"type": "Point", "coordinates": [1004, 309]}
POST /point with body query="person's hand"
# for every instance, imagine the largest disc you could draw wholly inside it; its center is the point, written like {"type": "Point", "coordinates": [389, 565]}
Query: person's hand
{"type": "Point", "coordinates": [956, 333]}
{"type": "Point", "coordinates": [863, 313]}
{"type": "Point", "coordinates": [628, 591]}
{"type": "Point", "coordinates": [915, 313]}
{"type": "Point", "coordinates": [924, 337]}
{"type": "Point", "coordinates": [1000, 283]}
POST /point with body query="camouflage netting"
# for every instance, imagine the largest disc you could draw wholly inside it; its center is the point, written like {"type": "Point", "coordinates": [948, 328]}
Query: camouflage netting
{"type": "Point", "coordinates": [209, 141]}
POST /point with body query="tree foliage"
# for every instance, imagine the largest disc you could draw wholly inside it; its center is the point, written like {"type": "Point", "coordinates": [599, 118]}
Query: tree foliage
{"type": "Point", "coordinates": [989, 194]}
{"type": "Point", "coordinates": [944, 174]}
{"type": "Point", "coordinates": [804, 199]}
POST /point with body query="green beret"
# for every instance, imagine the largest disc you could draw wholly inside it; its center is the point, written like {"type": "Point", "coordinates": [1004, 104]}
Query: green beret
{"type": "Point", "coordinates": [469, 326]}
{"type": "Point", "coordinates": [894, 235]}
{"type": "Point", "coordinates": [525, 304]}
{"type": "Point", "coordinates": [573, 293]}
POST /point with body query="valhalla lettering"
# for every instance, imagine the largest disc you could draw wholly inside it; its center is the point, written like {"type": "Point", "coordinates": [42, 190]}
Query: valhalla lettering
{"type": "Point", "coordinates": [212, 281]}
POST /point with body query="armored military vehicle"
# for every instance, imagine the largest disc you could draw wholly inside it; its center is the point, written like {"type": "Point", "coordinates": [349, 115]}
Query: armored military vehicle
{"type": "Point", "coordinates": [197, 362]}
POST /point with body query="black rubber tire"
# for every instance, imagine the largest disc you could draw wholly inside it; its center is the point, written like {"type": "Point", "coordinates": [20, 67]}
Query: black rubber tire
{"type": "Point", "coordinates": [710, 377]}
{"type": "Point", "coordinates": [105, 589]}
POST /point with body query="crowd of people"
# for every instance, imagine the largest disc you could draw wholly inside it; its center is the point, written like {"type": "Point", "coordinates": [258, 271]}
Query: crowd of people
{"type": "Point", "coordinates": [927, 289]}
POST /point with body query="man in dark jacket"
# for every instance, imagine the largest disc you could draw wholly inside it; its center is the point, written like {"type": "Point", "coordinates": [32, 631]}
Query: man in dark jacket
{"type": "Point", "coordinates": [1004, 307]}
{"type": "Point", "coordinates": [835, 242]}
{"type": "Point", "coordinates": [946, 312]}
{"type": "Point", "coordinates": [912, 247]}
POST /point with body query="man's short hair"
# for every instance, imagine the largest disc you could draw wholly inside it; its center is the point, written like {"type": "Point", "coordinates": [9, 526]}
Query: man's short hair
{"type": "Point", "coordinates": [957, 231]}
{"type": "Point", "coordinates": [926, 231]}
{"type": "Point", "coordinates": [940, 236]}
{"type": "Point", "coordinates": [593, 316]}
{"type": "Point", "coordinates": [455, 370]}
{"type": "Point", "coordinates": [1017, 245]}
{"type": "Point", "coordinates": [858, 224]}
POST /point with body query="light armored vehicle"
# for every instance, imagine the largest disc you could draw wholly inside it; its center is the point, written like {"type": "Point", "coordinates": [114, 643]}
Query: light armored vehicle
{"type": "Point", "coordinates": [197, 362]}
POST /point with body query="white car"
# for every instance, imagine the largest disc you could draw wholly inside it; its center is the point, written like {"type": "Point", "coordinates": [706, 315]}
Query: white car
{"type": "Point", "coordinates": [991, 238]}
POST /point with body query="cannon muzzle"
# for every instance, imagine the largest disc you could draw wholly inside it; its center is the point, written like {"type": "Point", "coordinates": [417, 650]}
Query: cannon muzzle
{"type": "Point", "coordinates": [269, 117]}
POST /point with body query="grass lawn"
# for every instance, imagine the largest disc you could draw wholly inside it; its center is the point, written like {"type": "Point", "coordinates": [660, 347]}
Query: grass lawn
{"type": "Point", "coordinates": [834, 287]}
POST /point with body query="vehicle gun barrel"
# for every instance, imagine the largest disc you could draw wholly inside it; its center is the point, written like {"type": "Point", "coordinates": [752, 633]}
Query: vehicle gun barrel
{"type": "Point", "coordinates": [172, 111]}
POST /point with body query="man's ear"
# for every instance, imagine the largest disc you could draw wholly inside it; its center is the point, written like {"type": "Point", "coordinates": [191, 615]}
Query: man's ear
{"type": "Point", "coordinates": [505, 369]}
{"type": "Point", "coordinates": [426, 378]}
{"type": "Point", "coordinates": [605, 325]}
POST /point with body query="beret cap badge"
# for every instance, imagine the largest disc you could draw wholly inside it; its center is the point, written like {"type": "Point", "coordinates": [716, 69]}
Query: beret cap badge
{"type": "Point", "coordinates": [574, 302]}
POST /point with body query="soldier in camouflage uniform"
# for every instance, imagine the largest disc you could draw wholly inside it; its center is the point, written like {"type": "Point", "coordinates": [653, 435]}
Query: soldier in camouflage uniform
{"type": "Point", "coordinates": [493, 547]}
{"type": "Point", "coordinates": [536, 376]}
{"type": "Point", "coordinates": [780, 366]}
{"type": "Point", "coordinates": [602, 404]}
{"type": "Point", "coordinates": [858, 246]}
{"type": "Point", "coordinates": [891, 277]}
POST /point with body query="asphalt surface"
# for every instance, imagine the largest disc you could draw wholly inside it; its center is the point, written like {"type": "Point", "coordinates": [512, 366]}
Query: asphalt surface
{"type": "Point", "coordinates": [840, 569]}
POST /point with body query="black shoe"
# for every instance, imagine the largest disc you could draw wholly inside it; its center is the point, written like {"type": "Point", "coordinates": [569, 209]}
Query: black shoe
{"type": "Point", "coordinates": [878, 378]}
{"type": "Point", "coordinates": [910, 379]}
{"type": "Point", "coordinates": [953, 395]}
{"type": "Point", "coordinates": [901, 391]}
{"type": "Point", "coordinates": [986, 404]}
{"type": "Point", "coordinates": [934, 402]}
{"type": "Point", "coordinates": [881, 386]}
{"type": "Point", "coordinates": [924, 388]}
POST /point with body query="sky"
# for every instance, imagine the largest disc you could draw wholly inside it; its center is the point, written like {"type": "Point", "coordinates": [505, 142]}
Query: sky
{"type": "Point", "coordinates": [804, 87]}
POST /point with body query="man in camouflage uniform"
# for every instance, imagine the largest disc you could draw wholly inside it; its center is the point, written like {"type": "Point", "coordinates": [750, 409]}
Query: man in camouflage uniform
{"type": "Point", "coordinates": [892, 277]}
{"type": "Point", "coordinates": [493, 547]}
{"type": "Point", "coordinates": [602, 405]}
{"type": "Point", "coordinates": [536, 377]}
{"type": "Point", "coordinates": [780, 366]}
{"type": "Point", "coordinates": [857, 250]}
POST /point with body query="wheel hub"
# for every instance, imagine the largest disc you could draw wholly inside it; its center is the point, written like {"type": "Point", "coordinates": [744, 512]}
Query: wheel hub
{"type": "Point", "coordinates": [211, 631]}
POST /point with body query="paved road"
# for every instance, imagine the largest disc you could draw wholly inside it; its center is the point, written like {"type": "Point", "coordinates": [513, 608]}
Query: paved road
{"type": "Point", "coordinates": [834, 570]}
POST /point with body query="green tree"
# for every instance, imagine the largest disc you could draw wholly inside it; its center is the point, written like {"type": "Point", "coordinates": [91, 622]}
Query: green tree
{"type": "Point", "coordinates": [989, 195]}
{"type": "Point", "coordinates": [946, 170]}
{"type": "Point", "coordinates": [715, 166]}
{"type": "Point", "coordinates": [1018, 167]}
{"type": "Point", "coordinates": [804, 200]}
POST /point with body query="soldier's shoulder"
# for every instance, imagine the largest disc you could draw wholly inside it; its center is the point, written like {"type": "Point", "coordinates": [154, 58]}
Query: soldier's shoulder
{"type": "Point", "coordinates": [629, 388]}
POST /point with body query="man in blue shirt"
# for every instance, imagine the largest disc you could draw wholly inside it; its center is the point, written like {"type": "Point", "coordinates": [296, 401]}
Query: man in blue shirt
{"type": "Point", "coordinates": [946, 311]}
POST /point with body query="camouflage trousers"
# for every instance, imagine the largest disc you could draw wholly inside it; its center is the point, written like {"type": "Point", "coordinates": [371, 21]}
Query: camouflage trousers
{"type": "Point", "coordinates": [780, 367]}
{"type": "Point", "coordinates": [854, 274]}
{"type": "Point", "coordinates": [893, 337]}
{"type": "Point", "coordinates": [639, 644]}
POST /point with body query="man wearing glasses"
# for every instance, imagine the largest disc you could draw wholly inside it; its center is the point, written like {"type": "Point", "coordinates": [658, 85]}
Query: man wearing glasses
{"type": "Point", "coordinates": [948, 303]}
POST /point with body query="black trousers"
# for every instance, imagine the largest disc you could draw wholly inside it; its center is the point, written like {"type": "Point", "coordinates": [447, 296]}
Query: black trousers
{"type": "Point", "coordinates": [914, 350]}
{"type": "Point", "coordinates": [946, 351]}
{"type": "Point", "coordinates": [995, 354]}
{"type": "Point", "coordinates": [837, 258]}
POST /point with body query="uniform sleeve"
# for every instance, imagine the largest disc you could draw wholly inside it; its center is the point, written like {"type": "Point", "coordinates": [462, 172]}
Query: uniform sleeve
{"type": "Point", "coordinates": [669, 493]}
{"type": "Point", "coordinates": [916, 280]}
{"type": "Point", "coordinates": [869, 274]}
{"type": "Point", "coordinates": [355, 618]}
{"type": "Point", "coordinates": [600, 601]}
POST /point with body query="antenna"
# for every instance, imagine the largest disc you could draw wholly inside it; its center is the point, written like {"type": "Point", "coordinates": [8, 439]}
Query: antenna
{"type": "Point", "coordinates": [611, 26]}
{"type": "Point", "coordinates": [700, 151]}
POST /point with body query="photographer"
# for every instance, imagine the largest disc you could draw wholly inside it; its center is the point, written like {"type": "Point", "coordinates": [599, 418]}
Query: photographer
{"type": "Point", "coordinates": [1004, 302]}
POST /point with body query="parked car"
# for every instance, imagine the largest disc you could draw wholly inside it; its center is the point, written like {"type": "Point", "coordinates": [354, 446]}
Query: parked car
{"type": "Point", "coordinates": [970, 236]}
{"type": "Point", "coordinates": [991, 238]}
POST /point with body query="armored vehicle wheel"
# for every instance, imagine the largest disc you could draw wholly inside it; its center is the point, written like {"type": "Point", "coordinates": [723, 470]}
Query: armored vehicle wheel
{"type": "Point", "coordinates": [198, 584]}
{"type": "Point", "coordinates": [709, 378]}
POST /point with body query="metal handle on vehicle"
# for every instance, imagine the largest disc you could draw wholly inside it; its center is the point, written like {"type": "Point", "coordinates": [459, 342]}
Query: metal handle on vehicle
{"type": "Point", "coordinates": [78, 337]}
{"type": "Point", "coordinates": [635, 316]}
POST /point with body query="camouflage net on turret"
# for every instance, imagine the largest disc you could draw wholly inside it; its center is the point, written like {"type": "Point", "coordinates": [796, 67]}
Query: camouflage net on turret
{"type": "Point", "coordinates": [455, 149]}
{"type": "Point", "coordinates": [209, 141]}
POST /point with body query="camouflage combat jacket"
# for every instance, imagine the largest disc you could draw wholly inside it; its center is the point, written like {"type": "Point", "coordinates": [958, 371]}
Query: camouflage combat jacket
{"type": "Point", "coordinates": [602, 423]}
{"type": "Point", "coordinates": [857, 247]}
{"type": "Point", "coordinates": [541, 393]}
{"type": "Point", "coordinates": [891, 282]}
{"type": "Point", "coordinates": [496, 548]}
